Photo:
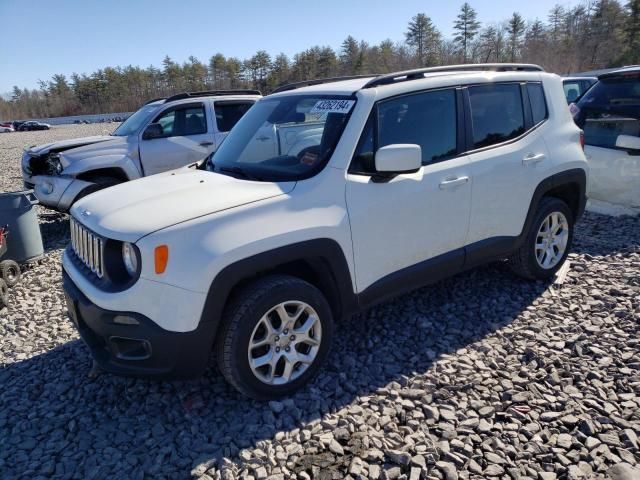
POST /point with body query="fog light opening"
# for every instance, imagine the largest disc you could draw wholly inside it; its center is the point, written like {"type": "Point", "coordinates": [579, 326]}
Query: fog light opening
{"type": "Point", "coordinates": [130, 348]}
{"type": "Point", "coordinates": [46, 188]}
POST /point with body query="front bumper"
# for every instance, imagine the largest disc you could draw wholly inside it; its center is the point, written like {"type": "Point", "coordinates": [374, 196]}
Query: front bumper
{"type": "Point", "coordinates": [143, 349]}
{"type": "Point", "coordinates": [56, 192]}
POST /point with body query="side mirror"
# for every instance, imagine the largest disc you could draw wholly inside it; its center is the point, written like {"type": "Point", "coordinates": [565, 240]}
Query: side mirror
{"type": "Point", "coordinates": [398, 158]}
{"type": "Point", "coordinates": [154, 130]}
{"type": "Point", "coordinates": [628, 142]}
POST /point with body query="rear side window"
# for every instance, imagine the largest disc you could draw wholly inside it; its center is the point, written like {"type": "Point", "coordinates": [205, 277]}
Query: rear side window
{"type": "Point", "coordinates": [496, 113]}
{"type": "Point", "coordinates": [537, 101]}
{"type": "Point", "coordinates": [426, 119]}
{"type": "Point", "coordinates": [228, 114]}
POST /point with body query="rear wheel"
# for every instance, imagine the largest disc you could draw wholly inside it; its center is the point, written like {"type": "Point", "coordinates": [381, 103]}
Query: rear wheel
{"type": "Point", "coordinates": [275, 337]}
{"type": "Point", "coordinates": [10, 272]}
{"type": "Point", "coordinates": [547, 243]}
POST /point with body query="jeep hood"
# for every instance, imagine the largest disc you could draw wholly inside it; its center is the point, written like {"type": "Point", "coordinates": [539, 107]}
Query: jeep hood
{"type": "Point", "coordinates": [132, 210]}
{"type": "Point", "coordinates": [67, 144]}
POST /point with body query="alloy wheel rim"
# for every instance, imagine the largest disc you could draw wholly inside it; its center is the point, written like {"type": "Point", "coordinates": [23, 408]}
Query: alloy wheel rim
{"type": "Point", "coordinates": [551, 240]}
{"type": "Point", "coordinates": [284, 342]}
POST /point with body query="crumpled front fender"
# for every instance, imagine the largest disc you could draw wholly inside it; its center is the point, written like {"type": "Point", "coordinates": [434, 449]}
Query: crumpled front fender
{"type": "Point", "coordinates": [58, 192]}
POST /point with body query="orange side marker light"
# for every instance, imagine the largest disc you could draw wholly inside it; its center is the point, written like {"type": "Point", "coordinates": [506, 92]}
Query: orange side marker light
{"type": "Point", "coordinates": [161, 257]}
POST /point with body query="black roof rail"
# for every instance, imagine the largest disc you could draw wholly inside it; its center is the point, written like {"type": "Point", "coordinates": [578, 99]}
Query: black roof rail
{"type": "Point", "coordinates": [308, 83]}
{"type": "Point", "coordinates": [210, 93]}
{"type": "Point", "coordinates": [154, 100]}
{"type": "Point", "coordinates": [419, 73]}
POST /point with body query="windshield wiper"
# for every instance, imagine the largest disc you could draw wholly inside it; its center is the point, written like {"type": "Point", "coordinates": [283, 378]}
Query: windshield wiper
{"type": "Point", "coordinates": [241, 172]}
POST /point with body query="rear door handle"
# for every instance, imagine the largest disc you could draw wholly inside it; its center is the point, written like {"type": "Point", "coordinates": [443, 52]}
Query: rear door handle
{"type": "Point", "coordinates": [452, 182]}
{"type": "Point", "coordinates": [533, 158]}
{"type": "Point", "coordinates": [206, 144]}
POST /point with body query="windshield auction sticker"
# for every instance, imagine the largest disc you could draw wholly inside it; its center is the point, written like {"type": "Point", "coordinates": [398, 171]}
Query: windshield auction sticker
{"type": "Point", "coordinates": [332, 106]}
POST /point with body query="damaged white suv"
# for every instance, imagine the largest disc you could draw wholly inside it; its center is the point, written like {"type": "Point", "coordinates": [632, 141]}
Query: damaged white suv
{"type": "Point", "coordinates": [326, 197]}
{"type": "Point", "coordinates": [162, 135]}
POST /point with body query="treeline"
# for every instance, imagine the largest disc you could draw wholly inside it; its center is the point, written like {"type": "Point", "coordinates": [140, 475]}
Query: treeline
{"type": "Point", "coordinates": [592, 35]}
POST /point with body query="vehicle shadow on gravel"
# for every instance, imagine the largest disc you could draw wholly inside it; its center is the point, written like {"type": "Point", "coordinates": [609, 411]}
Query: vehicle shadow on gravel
{"type": "Point", "coordinates": [54, 419]}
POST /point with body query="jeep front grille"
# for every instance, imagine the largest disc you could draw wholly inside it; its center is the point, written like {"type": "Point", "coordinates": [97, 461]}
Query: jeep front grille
{"type": "Point", "coordinates": [88, 247]}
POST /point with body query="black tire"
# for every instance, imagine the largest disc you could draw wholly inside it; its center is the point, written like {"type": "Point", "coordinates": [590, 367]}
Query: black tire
{"type": "Point", "coordinates": [241, 317]}
{"type": "Point", "coordinates": [10, 272]}
{"type": "Point", "coordinates": [523, 261]}
{"type": "Point", "coordinates": [4, 294]}
{"type": "Point", "coordinates": [100, 183]}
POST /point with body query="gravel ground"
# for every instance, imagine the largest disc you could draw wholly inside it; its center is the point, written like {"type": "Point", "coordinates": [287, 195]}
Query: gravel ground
{"type": "Point", "coordinates": [480, 376]}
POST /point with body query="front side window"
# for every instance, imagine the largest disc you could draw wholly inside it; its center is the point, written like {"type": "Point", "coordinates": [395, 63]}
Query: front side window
{"type": "Point", "coordinates": [183, 121]}
{"type": "Point", "coordinates": [229, 113]}
{"type": "Point", "coordinates": [609, 110]}
{"type": "Point", "coordinates": [427, 119]}
{"type": "Point", "coordinates": [132, 124]}
{"type": "Point", "coordinates": [284, 138]}
{"type": "Point", "coordinates": [496, 113]}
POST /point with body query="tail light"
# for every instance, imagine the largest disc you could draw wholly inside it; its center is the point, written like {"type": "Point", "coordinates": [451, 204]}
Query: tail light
{"type": "Point", "coordinates": [582, 139]}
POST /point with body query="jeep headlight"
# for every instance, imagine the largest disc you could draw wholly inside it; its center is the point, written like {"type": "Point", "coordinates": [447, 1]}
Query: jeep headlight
{"type": "Point", "coordinates": [130, 259]}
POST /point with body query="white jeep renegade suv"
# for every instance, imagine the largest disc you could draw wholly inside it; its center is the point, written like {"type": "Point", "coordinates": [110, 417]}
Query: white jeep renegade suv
{"type": "Point", "coordinates": [327, 197]}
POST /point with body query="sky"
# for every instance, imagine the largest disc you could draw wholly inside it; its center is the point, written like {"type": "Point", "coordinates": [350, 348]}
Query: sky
{"type": "Point", "coordinates": [46, 37]}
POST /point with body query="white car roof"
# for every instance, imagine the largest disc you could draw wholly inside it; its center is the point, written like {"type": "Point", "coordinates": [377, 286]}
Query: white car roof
{"type": "Point", "coordinates": [435, 79]}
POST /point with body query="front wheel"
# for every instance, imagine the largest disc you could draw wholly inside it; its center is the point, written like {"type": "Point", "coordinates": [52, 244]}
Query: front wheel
{"type": "Point", "coordinates": [275, 336]}
{"type": "Point", "coordinates": [547, 243]}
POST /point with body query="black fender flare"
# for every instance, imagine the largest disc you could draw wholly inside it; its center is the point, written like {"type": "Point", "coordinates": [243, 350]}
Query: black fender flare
{"type": "Point", "coordinates": [576, 177]}
{"type": "Point", "coordinates": [323, 256]}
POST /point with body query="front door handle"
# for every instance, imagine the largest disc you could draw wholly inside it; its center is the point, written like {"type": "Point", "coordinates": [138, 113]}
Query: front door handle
{"type": "Point", "coordinates": [452, 182]}
{"type": "Point", "coordinates": [262, 139]}
{"type": "Point", "coordinates": [206, 144]}
{"type": "Point", "coordinates": [533, 158]}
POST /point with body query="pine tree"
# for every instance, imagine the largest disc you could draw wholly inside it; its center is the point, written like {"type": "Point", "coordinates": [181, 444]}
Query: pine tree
{"type": "Point", "coordinates": [466, 28]}
{"type": "Point", "coordinates": [280, 71]}
{"type": "Point", "coordinates": [350, 56]}
{"type": "Point", "coordinates": [424, 38]}
{"type": "Point", "coordinates": [516, 30]}
{"type": "Point", "coordinates": [217, 74]}
{"type": "Point", "coordinates": [556, 19]}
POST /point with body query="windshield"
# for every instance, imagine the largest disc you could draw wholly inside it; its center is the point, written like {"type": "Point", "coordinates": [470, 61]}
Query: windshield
{"type": "Point", "coordinates": [132, 124]}
{"type": "Point", "coordinates": [610, 109]}
{"type": "Point", "coordinates": [284, 138]}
